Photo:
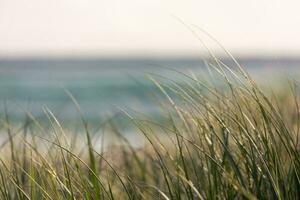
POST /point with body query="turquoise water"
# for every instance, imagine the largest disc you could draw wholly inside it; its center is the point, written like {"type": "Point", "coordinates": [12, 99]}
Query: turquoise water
{"type": "Point", "coordinates": [102, 85]}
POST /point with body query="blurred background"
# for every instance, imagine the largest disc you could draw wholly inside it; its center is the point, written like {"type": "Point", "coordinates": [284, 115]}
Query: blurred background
{"type": "Point", "coordinates": [100, 50]}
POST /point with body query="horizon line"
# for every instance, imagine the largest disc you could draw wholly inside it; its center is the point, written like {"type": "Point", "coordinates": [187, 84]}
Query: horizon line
{"type": "Point", "coordinates": [150, 57]}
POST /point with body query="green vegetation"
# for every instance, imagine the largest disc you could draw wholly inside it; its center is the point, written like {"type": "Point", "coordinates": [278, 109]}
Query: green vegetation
{"type": "Point", "coordinates": [234, 141]}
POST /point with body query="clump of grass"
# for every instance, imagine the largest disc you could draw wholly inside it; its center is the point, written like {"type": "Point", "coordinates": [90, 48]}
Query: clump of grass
{"type": "Point", "coordinates": [233, 141]}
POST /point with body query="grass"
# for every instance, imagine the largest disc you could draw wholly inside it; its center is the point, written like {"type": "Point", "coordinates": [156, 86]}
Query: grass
{"type": "Point", "coordinates": [234, 141]}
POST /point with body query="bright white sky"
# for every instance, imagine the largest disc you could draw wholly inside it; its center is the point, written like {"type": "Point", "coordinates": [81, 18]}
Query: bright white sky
{"type": "Point", "coordinates": [146, 27]}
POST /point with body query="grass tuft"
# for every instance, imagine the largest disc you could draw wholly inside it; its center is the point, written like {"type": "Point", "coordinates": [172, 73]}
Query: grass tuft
{"type": "Point", "coordinates": [223, 137]}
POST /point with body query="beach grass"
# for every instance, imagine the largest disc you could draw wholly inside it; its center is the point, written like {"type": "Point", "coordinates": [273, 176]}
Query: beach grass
{"type": "Point", "coordinates": [219, 137]}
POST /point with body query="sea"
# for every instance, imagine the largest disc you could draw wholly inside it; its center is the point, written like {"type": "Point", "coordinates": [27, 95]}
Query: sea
{"type": "Point", "coordinates": [103, 86]}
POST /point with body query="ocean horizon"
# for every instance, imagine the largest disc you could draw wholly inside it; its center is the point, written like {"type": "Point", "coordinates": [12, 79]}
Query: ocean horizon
{"type": "Point", "coordinates": [102, 85]}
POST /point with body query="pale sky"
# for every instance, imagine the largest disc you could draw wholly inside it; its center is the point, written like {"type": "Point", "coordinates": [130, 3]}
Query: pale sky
{"type": "Point", "coordinates": [146, 27]}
